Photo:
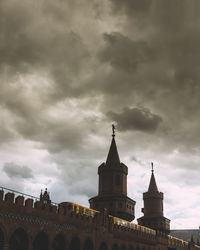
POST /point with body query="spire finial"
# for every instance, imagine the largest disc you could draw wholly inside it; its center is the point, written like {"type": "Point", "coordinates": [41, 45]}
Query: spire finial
{"type": "Point", "coordinates": [113, 130]}
{"type": "Point", "coordinates": [152, 170]}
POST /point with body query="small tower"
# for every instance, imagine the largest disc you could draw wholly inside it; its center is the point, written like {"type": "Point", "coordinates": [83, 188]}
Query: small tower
{"type": "Point", "coordinates": [44, 197]}
{"type": "Point", "coordinates": [153, 208]}
{"type": "Point", "coordinates": [112, 193]}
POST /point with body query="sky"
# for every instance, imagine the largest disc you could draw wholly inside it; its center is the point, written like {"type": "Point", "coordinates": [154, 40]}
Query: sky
{"type": "Point", "coordinates": [69, 69]}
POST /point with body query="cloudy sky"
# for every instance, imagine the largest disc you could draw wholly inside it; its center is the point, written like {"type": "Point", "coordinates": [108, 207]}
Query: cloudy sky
{"type": "Point", "coordinates": [69, 69]}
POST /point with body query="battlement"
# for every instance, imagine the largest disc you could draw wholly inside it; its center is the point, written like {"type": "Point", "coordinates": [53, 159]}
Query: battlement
{"type": "Point", "coordinates": [19, 203]}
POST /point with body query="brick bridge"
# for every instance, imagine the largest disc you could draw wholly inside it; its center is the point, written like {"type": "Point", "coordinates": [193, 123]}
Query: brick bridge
{"type": "Point", "coordinates": [32, 224]}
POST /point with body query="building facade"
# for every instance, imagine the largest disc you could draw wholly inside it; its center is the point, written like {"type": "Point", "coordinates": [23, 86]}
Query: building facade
{"type": "Point", "coordinates": [39, 224]}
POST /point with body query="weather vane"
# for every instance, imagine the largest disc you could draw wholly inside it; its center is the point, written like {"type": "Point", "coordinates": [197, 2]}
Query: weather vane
{"type": "Point", "coordinates": [152, 170]}
{"type": "Point", "coordinates": [113, 130]}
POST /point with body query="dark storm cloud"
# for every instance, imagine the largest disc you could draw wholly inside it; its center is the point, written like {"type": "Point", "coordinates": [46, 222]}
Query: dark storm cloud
{"type": "Point", "coordinates": [124, 53]}
{"type": "Point", "coordinates": [154, 66]}
{"type": "Point", "coordinates": [131, 7]}
{"type": "Point", "coordinates": [38, 41]}
{"type": "Point", "coordinates": [16, 171]}
{"type": "Point", "coordinates": [136, 119]}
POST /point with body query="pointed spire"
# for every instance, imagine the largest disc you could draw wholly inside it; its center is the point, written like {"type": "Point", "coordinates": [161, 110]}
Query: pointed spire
{"type": "Point", "coordinates": [152, 184]}
{"type": "Point", "coordinates": [113, 156]}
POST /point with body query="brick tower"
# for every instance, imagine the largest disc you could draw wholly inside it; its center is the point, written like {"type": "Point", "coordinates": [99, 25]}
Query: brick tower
{"type": "Point", "coordinates": [153, 208]}
{"type": "Point", "coordinates": [112, 193]}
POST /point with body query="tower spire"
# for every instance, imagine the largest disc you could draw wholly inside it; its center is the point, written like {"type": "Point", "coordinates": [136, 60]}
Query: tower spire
{"type": "Point", "coordinates": [152, 170]}
{"type": "Point", "coordinates": [112, 193]}
{"type": "Point", "coordinates": [113, 130]}
{"type": "Point", "coordinates": [152, 185]}
{"type": "Point", "coordinates": [113, 156]}
{"type": "Point", "coordinates": [153, 208]}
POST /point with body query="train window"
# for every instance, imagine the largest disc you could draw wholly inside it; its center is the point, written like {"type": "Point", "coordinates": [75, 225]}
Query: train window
{"type": "Point", "coordinates": [81, 210]}
{"type": "Point", "coordinates": [123, 223]}
{"type": "Point", "coordinates": [88, 212]}
{"type": "Point", "coordinates": [70, 207]}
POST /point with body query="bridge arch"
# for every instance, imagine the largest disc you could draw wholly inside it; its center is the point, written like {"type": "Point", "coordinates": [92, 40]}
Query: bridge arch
{"type": "Point", "coordinates": [41, 241]}
{"type": "Point", "coordinates": [75, 244]}
{"type": "Point", "coordinates": [103, 246]}
{"type": "Point", "coordinates": [115, 247]}
{"type": "Point", "coordinates": [88, 244]}
{"type": "Point", "coordinates": [19, 240]}
{"type": "Point", "coordinates": [2, 238]}
{"type": "Point", "coordinates": [59, 242]}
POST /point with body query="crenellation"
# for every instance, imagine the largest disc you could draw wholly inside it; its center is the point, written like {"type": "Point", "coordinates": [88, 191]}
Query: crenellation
{"type": "Point", "coordinates": [1, 195]}
{"type": "Point", "coordinates": [29, 203]}
{"type": "Point", "coordinates": [19, 200]}
{"type": "Point", "coordinates": [9, 197]}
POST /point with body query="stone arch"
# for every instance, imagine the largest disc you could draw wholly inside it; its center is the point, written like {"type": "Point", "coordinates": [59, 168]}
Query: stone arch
{"type": "Point", "coordinates": [19, 240]}
{"type": "Point", "coordinates": [103, 246]}
{"type": "Point", "coordinates": [123, 247]}
{"type": "Point", "coordinates": [88, 244]}
{"type": "Point", "coordinates": [2, 237]}
{"type": "Point", "coordinates": [59, 242]}
{"type": "Point", "coordinates": [75, 244]}
{"type": "Point", "coordinates": [115, 247]}
{"type": "Point", "coordinates": [41, 241]}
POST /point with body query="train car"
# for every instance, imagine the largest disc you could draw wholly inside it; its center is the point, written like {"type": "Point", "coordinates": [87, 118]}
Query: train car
{"type": "Point", "coordinates": [133, 226]}
{"type": "Point", "coordinates": [177, 242]}
{"type": "Point", "coordinates": [78, 209]}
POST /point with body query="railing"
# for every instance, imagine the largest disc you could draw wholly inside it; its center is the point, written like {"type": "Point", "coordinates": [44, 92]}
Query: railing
{"type": "Point", "coordinates": [26, 195]}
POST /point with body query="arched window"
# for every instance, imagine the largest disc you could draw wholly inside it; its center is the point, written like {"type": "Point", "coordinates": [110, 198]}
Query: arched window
{"type": "Point", "coordinates": [41, 241]}
{"type": "Point", "coordinates": [123, 247]}
{"type": "Point", "coordinates": [19, 240]}
{"type": "Point", "coordinates": [103, 246]}
{"type": "Point", "coordinates": [75, 244]}
{"type": "Point", "coordinates": [88, 245]}
{"type": "Point", "coordinates": [59, 242]}
{"type": "Point", "coordinates": [1, 239]}
{"type": "Point", "coordinates": [115, 247]}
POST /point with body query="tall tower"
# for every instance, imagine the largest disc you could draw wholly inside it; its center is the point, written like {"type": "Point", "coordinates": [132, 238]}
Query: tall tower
{"type": "Point", "coordinates": [153, 208]}
{"type": "Point", "coordinates": [112, 193]}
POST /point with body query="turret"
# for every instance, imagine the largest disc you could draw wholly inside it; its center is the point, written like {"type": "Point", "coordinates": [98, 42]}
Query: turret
{"type": "Point", "coordinates": [112, 193]}
{"type": "Point", "coordinates": [153, 208]}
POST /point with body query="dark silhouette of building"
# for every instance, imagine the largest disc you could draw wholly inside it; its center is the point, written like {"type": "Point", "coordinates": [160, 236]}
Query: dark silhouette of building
{"type": "Point", "coordinates": [153, 208]}
{"type": "Point", "coordinates": [39, 224]}
{"type": "Point", "coordinates": [113, 187]}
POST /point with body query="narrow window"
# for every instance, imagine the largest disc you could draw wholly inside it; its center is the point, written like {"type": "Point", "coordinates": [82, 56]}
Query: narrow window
{"type": "Point", "coordinates": [117, 180]}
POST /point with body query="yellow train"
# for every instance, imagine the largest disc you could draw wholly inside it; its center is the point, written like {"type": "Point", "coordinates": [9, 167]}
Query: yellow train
{"type": "Point", "coordinates": [78, 209]}
{"type": "Point", "coordinates": [91, 212]}
{"type": "Point", "coordinates": [133, 226]}
{"type": "Point", "coordinates": [177, 242]}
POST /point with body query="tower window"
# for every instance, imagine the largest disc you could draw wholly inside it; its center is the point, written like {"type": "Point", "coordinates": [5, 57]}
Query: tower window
{"type": "Point", "coordinates": [117, 180]}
